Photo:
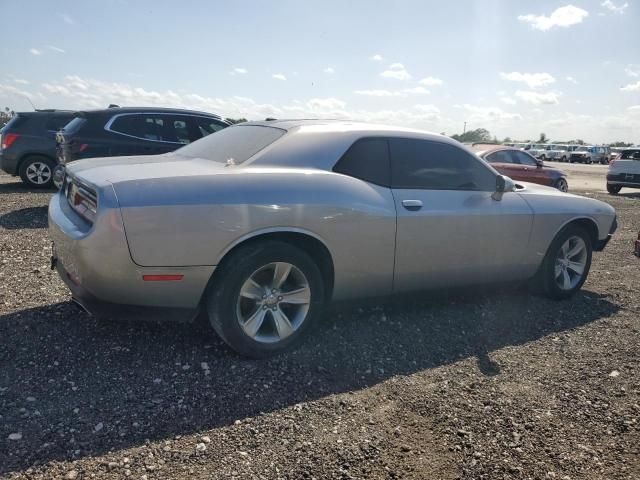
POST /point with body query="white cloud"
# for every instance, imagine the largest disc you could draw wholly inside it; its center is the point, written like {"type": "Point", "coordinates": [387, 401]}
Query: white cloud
{"type": "Point", "coordinates": [613, 7]}
{"type": "Point", "coordinates": [35, 51]}
{"type": "Point", "coordinates": [55, 49]}
{"type": "Point", "coordinates": [278, 76]}
{"type": "Point", "coordinates": [532, 80]}
{"type": "Point", "coordinates": [430, 81]}
{"type": "Point", "coordinates": [635, 109]}
{"type": "Point", "coordinates": [487, 115]}
{"type": "Point", "coordinates": [632, 87]}
{"type": "Point", "coordinates": [571, 79]}
{"type": "Point", "coordinates": [397, 71]}
{"type": "Point", "coordinates": [377, 58]}
{"type": "Point", "coordinates": [66, 18]}
{"type": "Point", "coordinates": [329, 70]}
{"type": "Point", "coordinates": [561, 17]}
{"type": "Point", "coordinates": [405, 92]}
{"type": "Point", "coordinates": [508, 100]}
{"type": "Point", "coordinates": [416, 91]}
{"type": "Point", "coordinates": [377, 93]}
{"type": "Point", "coordinates": [632, 70]}
{"type": "Point", "coordinates": [238, 71]}
{"type": "Point", "coordinates": [538, 98]}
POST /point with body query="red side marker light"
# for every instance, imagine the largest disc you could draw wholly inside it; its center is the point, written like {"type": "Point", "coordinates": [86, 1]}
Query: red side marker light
{"type": "Point", "coordinates": [162, 278]}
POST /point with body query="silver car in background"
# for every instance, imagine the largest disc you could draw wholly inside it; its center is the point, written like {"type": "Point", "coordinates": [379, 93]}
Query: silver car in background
{"type": "Point", "coordinates": [264, 223]}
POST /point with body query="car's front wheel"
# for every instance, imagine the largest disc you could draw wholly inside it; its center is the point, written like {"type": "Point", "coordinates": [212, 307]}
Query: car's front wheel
{"type": "Point", "coordinates": [561, 184]}
{"type": "Point", "coordinates": [566, 264]}
{"type": "Point", "coordinates": [37, 171]}
{"type": "Point", "coordinates": [613, 189]}
{"type": "Point", "coordinates": [265, 297]}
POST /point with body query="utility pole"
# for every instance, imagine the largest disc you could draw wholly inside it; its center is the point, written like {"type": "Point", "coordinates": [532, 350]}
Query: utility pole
{"type": "Point", "coordinates": [464, 129]}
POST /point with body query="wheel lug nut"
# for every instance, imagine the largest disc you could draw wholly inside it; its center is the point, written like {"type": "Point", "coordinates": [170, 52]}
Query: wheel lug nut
{"type": "Point", "coordinates": [264, 307]}
{"type": "Point", "coordinates": [279, 299]}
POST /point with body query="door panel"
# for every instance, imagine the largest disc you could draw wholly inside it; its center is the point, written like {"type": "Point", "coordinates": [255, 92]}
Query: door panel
{"type": "Point", "coordinates": [459, 238]}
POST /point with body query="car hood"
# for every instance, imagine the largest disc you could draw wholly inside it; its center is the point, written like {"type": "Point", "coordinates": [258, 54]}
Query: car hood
{"type": "Point", "coordinates": [100, 171]}
{"type": "Point", "coordinates": [545, 199]}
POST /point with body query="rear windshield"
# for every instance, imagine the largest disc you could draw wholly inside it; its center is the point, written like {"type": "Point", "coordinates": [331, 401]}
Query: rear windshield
{"type": "Point", "coordinates": [232, 145]}
{"type": "Point", "coordinates": [74, 125]}
{"type": "Point", "coordinates": [16, 121]}
{"type": "Point", "coordinates": [630, 155]}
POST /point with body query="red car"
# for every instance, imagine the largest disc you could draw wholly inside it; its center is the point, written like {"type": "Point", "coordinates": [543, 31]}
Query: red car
{"type": "Point", "coordinates": [519, 165]}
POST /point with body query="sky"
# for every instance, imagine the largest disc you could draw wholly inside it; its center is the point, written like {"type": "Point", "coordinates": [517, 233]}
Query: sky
{"type": "Point", "coordinates": [517, 68]}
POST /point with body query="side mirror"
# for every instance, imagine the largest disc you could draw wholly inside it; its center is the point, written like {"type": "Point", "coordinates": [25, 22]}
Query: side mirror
{"type": "Point", "coordinates": [539, 163]}
{"type": "Point", "coordinates": [503, 185]}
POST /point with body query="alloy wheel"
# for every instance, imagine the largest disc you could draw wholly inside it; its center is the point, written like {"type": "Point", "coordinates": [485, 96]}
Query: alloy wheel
{"type": "Point", "coordinates": [571, 262]}
{"type": "Point", "coordinates": [38, 173]}
{"type": "Point", "coordinates": [273, 302]}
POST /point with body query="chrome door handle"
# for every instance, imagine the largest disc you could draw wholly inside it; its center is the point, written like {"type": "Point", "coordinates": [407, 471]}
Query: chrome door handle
{"type": "Point", "coordinates": [412, 204]}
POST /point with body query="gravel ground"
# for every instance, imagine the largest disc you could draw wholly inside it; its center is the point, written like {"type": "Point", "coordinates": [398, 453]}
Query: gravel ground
{"type": "Point", "coordinates": [492, 385]}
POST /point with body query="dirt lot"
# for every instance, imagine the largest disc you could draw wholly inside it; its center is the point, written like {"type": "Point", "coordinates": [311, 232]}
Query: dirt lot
{"type": "Point", "coordinates": [466, 385]}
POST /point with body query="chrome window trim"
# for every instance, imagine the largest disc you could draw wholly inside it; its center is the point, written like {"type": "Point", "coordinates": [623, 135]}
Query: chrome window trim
{"type": "Point", "coordinates": [107, 126]}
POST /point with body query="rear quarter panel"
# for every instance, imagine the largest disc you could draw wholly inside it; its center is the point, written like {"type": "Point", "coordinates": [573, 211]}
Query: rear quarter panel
{"type": "Point", "coordinates": [197, 220]}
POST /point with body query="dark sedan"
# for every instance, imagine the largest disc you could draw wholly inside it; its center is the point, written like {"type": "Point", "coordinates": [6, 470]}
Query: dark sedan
{"type": "Point", "coordinates": [519, 165]}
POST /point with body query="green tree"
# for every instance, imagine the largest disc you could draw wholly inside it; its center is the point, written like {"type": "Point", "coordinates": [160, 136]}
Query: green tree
{"type": "Point", "coordinates": [543, 138]}
{"type": "Point", "coordinates": [236, 120]}
{"type": "Point", "coordinates": [621, 144]}
{"type": "Point", "coordinates": [479, 135]}
{"type": "Point", "coordinates": [507, 140]}
{"type": "Point", "coordinates": [5, 116]}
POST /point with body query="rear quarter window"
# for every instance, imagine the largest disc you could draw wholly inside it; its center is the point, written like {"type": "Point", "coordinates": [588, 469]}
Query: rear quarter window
{"type": "Point", "coordinates": [368, 160]}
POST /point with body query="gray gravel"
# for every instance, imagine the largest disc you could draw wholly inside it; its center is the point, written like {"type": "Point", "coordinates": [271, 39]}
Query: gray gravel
{"type": "Point", "coordinates": [474, 385]}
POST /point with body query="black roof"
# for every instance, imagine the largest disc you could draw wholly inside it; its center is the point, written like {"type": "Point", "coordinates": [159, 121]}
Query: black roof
{"type": "Point", "coordinates": [118, 110]}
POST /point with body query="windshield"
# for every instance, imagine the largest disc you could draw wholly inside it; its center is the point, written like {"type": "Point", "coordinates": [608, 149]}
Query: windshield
{"type": "Point", "coordinates": [582, 149]}
{"type": "Point", "coordinates": [233, 145]}
{"type": "Point", "coordinates": [630, 155]}
{"type": "Point", "coordinates": [561, 149]}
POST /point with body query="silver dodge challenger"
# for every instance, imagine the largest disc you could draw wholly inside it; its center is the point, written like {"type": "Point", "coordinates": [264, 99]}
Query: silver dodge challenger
{"type": "Point", "coordinates": [264, 223]}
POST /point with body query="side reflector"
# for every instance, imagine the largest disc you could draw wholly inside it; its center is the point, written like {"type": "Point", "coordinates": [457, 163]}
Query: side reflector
{"type": "Point", "coordinates": [162, 278]}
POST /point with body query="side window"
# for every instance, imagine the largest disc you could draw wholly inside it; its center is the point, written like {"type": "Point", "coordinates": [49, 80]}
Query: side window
{"type": "Point", "coordinates": [144, 126]}
{"type": "Point", "coordinates": [524, 159]}
{"type": "Point", "coordinates": [424, 164]}
{"type": "Point", "coordinates": [501, 156]}
{"type": "Point", "coordinates": [207, 126]}
{"type": "Point", "coordinates": [368, 160]}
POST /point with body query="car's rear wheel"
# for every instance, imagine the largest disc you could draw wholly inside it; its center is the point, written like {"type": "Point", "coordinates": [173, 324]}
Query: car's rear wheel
{"type": "Point", "coordinates": [613, 189]}
{"type": "Point", "coordinates": [37, 171]}
{"type": "Point", "coordinates": [561, 184]}
{"type": "Point", "coordinates": [265, 297]}
{"type": "Point", "coordinates": [566, 264]}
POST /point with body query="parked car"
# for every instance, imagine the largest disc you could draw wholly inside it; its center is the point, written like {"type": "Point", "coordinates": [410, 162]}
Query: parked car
{"type": "Point", "coordinates": [559, 153]}
{"type": "Point", "coordinates": [263, 223]}
{"type": "Point", "coordinates": [520, 165]}
{"type": "Point", "coordinates": [132, 131]}
{"type": "Point", "coordinates": [584, 154]}
{"type": "Point", "coordinates": [538, 150]}
{"type": "Point", "coordinates": [624, 171]}
{"type": "Point", "coordinates": [28, 145]}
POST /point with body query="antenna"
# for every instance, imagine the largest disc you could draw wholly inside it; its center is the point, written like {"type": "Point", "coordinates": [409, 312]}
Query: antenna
{"type": "Point", "coordinates": [29, 100]}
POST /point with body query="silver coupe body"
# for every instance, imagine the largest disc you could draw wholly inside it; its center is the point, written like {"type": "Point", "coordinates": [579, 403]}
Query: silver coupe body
{"type": "Point", "coordinates": [368, 210]}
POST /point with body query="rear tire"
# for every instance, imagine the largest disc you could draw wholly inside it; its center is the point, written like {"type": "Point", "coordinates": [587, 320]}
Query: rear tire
{"type": "Point", "coordinates": [613, 189]}
{"type": "Point", "coordinates": [566, 265]}
{"type": "Point", "coordinates": [36, 171]}
{"type": "Point", "coordinates": [256, 314]}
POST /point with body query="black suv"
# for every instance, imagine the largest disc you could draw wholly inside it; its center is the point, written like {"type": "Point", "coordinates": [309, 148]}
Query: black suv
{"type": "Point", "coordinates": [132, 131]}
{"type": "Point", "coordinates": [28, 145]}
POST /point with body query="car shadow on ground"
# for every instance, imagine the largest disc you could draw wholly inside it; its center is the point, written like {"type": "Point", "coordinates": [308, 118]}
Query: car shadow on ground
{"type": "Point", "coordinates": [31, 217]}
{"type": "Point", "coordinates": [635, 194]}
{"type": "Point", "coordinates": [19, 187]}
{"type": "Point", "coordinates": [74, 386]}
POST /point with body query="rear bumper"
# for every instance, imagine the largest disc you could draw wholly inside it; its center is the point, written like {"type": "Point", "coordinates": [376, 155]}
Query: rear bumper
{"type": "Point", "coordinates": [8, 163]}
{"type": "Point", "coordinates": [624, 180]}
{"type": "Point", "coordinates": [94, 262]}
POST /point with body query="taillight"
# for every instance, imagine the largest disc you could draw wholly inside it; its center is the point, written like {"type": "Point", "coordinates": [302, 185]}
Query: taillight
{"type": "Point", "coordinates": [82, 199]}
{"type": "Point", "coordinates": [8, 139]}
{"type": "Point", "coordinates": [83, 147]}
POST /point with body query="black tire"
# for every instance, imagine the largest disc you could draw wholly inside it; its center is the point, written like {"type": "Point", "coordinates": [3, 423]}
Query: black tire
{"type": "Point", "coordinates": [545, 280]}
{"type": "Point", "coordinates": [613, 189]}
{"type": "Point", "coordinates": [37, 163]}
{"type": "Point", "coordinates": [224, 292]}
{"type": "Point", "coordinates": [563, 159]}
{"type": "Point", "coordinates": [561, 184]}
